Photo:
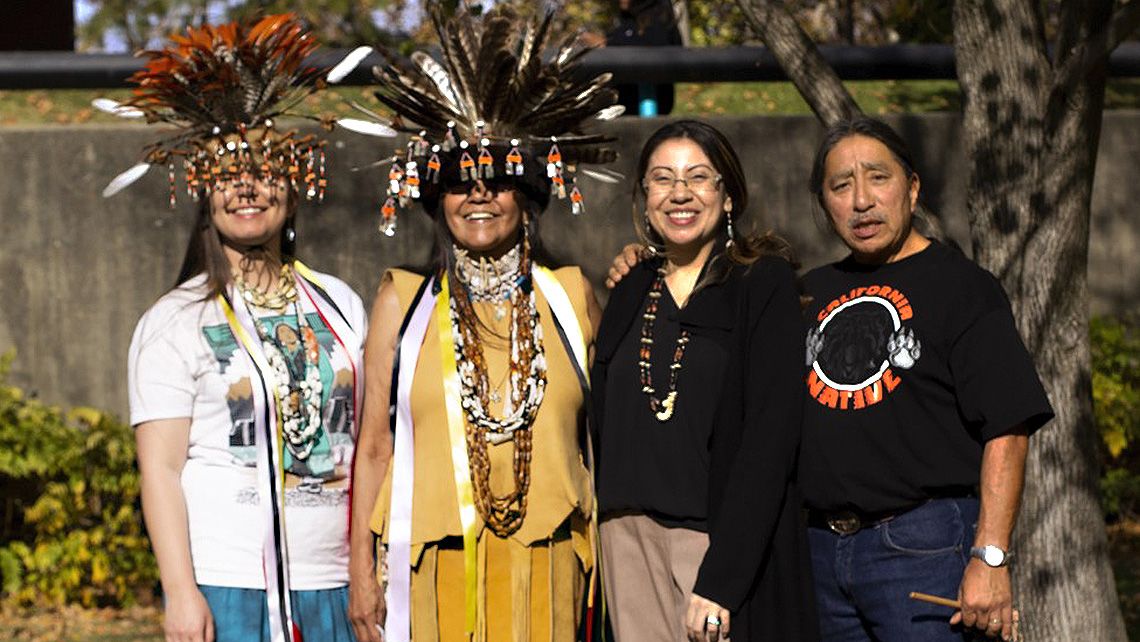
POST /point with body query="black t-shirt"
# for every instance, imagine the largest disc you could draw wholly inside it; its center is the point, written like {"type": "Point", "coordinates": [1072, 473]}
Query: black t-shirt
{"type": "Point", "coordinates": [912, 367]}
{"type": "Point", "coordinates": [659, 468]}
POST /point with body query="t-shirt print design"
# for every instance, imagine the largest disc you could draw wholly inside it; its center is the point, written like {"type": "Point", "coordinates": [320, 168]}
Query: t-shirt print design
{"type": "Point", "coordinates": [859, 339]}
{"type": "Point", "coordinates": [330, 455]}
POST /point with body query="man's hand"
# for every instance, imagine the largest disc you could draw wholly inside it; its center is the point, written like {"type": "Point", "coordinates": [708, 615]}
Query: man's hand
{"type": "Point", "coordinates": [706, 621]}
{"type": "Point", "coordinates": [987, 600]}
{"type": "Point", "coordinates": [366, 609]}
{"type": "Point", "coordinates": [629, 256]}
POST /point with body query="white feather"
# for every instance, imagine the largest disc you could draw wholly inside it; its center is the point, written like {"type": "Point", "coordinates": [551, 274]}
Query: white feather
{"type": "Point", "coordinates": [611, 112]}
{"type": "Point", "coordinates": [603, 175]}
{"type": "Point", "coordinates": [366, 127]}
{"type": "Point", "coordinates": [115, 108]}
{"type": "Point", "coordinates": [123, 180]}
{"type": "Point", "coordinates": [432, 69]}
{"type": "Point", "coordinates": [380, 163]}
{"type": "Point", "coordinates": [350, 62]}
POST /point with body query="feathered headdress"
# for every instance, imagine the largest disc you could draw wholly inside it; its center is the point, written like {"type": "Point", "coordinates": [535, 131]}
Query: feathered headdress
{"type": "Point", "coordinates": [490, 109]}
{"type": "Point", "coordinates": [222, 87]}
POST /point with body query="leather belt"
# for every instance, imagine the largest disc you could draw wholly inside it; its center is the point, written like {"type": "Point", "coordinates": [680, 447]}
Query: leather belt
{"type": "Point", "coordinates": [849, 522]}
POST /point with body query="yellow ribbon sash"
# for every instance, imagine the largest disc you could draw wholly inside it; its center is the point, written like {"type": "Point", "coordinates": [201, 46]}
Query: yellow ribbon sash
{"type": "Point", "coordinates": [457, 433]}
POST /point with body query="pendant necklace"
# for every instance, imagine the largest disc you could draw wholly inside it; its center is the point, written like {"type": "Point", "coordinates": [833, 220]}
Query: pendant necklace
{"type": "Point", "coordinates": [662, 408]}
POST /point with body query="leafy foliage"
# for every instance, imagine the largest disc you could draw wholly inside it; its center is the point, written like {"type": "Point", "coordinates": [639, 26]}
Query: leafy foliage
{"type": "Point", "coordinates": [81, 539]}
{"type": "Point", "coordinates": [1116, 405]}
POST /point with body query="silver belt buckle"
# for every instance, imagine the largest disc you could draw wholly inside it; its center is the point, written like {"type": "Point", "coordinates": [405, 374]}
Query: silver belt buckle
{"type": "Point", "coordinates": [844, 523]}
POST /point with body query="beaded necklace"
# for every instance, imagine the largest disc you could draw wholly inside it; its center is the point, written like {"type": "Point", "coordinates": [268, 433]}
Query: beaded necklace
{"type": "Point", "coordinates": [526, 387]}
{"type": "Point", "coordinates": [296, 376]}
{"type": "Point", "coordinates": [662, 408]}
{"type": "Point", "coordinates": [282, 295]}
{"type": "Point", "coordinates": [490, 280]}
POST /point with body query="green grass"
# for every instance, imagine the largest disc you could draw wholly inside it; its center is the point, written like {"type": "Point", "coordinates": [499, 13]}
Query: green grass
{"type": "Point", "coordinates": [73, 106]}
{"type": "Point", "coordinates": [873, 96]}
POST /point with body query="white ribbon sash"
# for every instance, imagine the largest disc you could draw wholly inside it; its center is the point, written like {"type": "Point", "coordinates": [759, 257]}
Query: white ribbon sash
{"type": "Point", "coordinates": [397, 625]}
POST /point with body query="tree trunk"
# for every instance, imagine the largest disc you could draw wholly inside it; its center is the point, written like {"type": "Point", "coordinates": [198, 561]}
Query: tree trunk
{"type": "Point", "coordinates": [1032, 156]}
{"type": "Point", "coordinates": [845, 24]}
{"type": "Point", "coordinates": [798, 56]}
{"type": "Point", "coordinates": [681, 12]}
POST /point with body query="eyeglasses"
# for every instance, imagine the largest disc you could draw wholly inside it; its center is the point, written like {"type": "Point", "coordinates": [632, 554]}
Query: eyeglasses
{"type": "Point", "coordinates": [696, 180]}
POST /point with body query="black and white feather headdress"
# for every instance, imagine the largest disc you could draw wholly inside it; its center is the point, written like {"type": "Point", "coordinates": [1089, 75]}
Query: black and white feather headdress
{"type": "Point", "coordinates": [490, 108]}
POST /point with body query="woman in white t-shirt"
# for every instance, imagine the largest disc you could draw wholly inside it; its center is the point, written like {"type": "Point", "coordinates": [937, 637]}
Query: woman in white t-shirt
{"type": "Point", "coordinates": [244, 378]}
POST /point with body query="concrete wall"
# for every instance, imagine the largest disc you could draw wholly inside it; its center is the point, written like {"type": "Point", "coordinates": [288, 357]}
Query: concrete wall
{"type": "Point", "coordinates": [78, 270]}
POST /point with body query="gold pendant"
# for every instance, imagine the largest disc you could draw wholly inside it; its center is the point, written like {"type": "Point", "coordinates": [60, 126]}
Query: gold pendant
{"type": "Point", "coordinates": [667, 404]}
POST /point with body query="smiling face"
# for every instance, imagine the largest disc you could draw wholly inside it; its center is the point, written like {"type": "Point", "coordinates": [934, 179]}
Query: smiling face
{"type": "Point", "coordinates": [250, 214]}
{"type": "Point", "coordinates": [684, 196]}
{"type": "Point", "coordinates": [870, 200]}
{"type": "Point", "coordinates": [483, 221]}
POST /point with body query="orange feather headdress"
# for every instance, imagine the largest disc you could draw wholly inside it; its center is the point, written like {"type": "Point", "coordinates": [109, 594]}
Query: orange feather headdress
{"type": "Point", "coordinates": [222, 87]}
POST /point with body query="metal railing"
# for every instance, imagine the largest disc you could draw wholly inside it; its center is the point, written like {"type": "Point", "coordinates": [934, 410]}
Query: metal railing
{"type": "Point", "coordinates": [62, 70]}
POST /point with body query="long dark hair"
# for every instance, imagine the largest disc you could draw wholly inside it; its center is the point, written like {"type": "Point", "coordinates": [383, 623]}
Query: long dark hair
{"type": "Point", "coordinates": [748, 246]}
{"type": "Point", "coordinates": [205, 255]}
{"type": "Point", "coordinates": [860, 125]}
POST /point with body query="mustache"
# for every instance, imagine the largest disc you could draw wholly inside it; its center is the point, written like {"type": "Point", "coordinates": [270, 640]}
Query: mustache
{"type": "Point", "coordinates": [860, 219]}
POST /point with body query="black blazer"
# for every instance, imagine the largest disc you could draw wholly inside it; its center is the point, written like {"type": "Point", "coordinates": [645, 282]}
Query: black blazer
{"type": "Point", "coordinates": [757, 564]}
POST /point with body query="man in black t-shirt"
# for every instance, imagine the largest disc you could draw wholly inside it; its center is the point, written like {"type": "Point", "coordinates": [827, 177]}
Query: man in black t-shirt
{"type": "Point", "coordinates": [922, 398]}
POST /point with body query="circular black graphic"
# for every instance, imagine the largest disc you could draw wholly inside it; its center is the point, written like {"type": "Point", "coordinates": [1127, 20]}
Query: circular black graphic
{"type": "Point", "coordinates": [855, 343]}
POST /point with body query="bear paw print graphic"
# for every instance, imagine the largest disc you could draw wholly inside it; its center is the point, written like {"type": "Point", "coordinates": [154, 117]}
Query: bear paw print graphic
{"type": "Point", "coordinates": [903, 349]}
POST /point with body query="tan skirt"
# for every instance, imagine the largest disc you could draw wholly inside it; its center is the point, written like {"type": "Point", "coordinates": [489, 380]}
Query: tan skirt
{"type": "Point", "coordinates": [525, 593]}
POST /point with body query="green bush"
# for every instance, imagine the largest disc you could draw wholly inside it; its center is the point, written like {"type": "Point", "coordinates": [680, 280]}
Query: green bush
{"type": "Point", "coordinates": [1116, 406]}
{"type": "Point", "coordinates": [81, 539]}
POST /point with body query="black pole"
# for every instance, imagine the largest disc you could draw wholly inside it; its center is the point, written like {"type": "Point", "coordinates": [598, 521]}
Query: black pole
{"type": "Point", "coordinates": [58, 70]}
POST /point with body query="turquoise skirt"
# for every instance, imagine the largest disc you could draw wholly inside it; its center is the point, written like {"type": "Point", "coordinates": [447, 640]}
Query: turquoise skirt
{"type": "Point", "coordinates": [240, 615]}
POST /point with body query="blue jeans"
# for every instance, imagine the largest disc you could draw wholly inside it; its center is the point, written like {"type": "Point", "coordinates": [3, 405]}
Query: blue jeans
{"type": "Point", "coordinates": [863, 580]}
{"type": "Point", "coordinates": [240, 615]}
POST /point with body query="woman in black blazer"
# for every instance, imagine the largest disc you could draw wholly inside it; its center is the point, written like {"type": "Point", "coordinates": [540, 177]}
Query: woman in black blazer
{"type": "Point", "coordinates": [696, 391]}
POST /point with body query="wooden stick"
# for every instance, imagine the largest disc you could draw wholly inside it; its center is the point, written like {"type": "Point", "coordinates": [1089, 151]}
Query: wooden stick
{"type": "Point", "coordinates": [934, 599]}
{"type": "Point", "coordinates": [1015, 625]}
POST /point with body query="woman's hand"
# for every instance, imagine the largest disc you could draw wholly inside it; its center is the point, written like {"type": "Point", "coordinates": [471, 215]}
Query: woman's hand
{"type": "Point", "coordinates": [188, 617]}
{"type": "Point", "coordinates": [629, 256]}
{"type": "Point", "coordinates": [706, 620]}
{"type": "Point", "coordinates": [366, 609]}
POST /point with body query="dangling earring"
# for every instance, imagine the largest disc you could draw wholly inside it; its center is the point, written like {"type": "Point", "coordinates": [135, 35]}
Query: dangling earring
{"type": "Point", "coordinates": [731, 236]}
{"type": "Point", "coordinates": [290, 233]}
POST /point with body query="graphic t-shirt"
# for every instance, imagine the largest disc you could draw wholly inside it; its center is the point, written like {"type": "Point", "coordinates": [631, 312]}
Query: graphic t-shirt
{"type": "Point", "coordinates": [912, 367]}
{"type": "Point", "coordinates": [185, 362]}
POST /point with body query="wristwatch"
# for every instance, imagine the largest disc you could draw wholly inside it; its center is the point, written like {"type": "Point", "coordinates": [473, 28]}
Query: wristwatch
{"type": "Point", "coordinates": [991, 555]}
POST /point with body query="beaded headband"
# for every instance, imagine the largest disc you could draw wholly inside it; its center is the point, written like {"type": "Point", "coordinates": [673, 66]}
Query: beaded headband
{"type": "Point", "coordinates": [223, 87]}
{"type": "Point", "coordinates": [490, 109]}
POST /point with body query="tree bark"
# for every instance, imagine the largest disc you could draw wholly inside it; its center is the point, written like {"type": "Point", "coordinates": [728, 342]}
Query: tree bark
{"type": "Point", "coordinates": [816, 81]}
{"type": "Point", "coordinates": [1032, 149]}
{"type": "Point", "coordinates": [845, 22]}
{"type": "Point", "coordinates": [681, 12]}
